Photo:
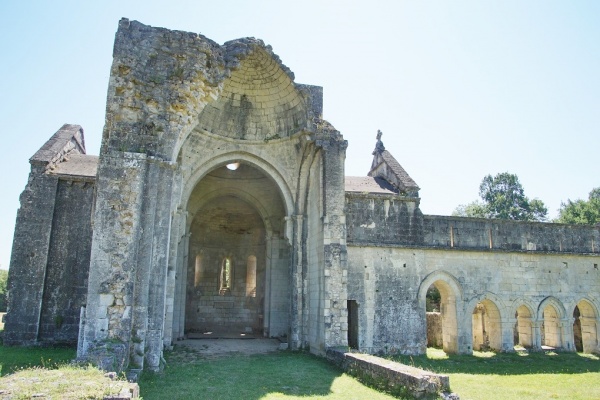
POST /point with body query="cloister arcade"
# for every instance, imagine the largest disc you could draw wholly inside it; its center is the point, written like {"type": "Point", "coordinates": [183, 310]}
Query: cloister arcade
{"type": "Point", "coordinates": [489, 322]}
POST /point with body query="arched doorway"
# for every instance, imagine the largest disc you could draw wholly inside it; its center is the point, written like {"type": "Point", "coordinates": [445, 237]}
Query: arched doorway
{"type": "Point", "coordinates": [523, 334]}
{"type": "Point", "coordinates": [487, 327]}
{"type": "Point", "coordinates": [585, 333]}
{"type": "Point", "coordinates": [551, 330]}
{"type": "Point", "coordinates": [238, 258]}
{"type": "Point", "coordinates": [446, 327]}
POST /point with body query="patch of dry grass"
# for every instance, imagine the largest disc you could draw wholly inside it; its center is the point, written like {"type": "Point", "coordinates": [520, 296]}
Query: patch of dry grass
{"type": "Point", "coordinates": [67, 382]}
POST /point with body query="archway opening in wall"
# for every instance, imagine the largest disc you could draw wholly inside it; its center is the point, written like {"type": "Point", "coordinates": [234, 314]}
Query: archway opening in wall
{"type": "Point", "coordinates": [487, 329]}
{"type": "Point", "coordinates": [585, 332]}
{"type": "Point", "coordinates": [550, 330]}
{"type": "Point", "coordinates": [523, 330]}
{"type": "Point", "coordinates": [440, 308]}
{"type": "Point", "coordinates": [238, 259]}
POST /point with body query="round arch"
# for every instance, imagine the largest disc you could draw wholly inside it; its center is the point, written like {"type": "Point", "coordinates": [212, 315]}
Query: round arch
{"type": "Point", "coordinates": [555, 303]}
{"type": "Point", "coordinates": [443, 276]}
{"type": "Point", "coordinates": [226, 158]}
{"type": "Point", "coordinates": [585, 326]}
{"type": "Point", "coordinates": [486, 318]}
{"type": "Point", "coordinates": [451, 300]}
{"type": "Point", "coordinates": [523, 323]}
{"type": "Point", "coordinates": [552, 312]}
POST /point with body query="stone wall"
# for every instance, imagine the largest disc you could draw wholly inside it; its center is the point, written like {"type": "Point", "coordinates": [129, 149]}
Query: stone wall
{"type": "Point", "coordinates": [51, 246]}
{"type": "Point", "coordinates": [434, 329]}
{"type": "Point", "coordinates": [473, 233]}
{"type": "Point", "coordinates": [65, 287]}
{"type": "Point", "coordinates": [397, 220]}
{"type": "Point", "coordinates": [379, 219]}
{"type": "Point", "coordinates": [399, 379]}
{"type": "Point", "coordinates": [390, 284]}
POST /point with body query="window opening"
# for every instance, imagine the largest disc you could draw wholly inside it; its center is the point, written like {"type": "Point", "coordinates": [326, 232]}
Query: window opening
{"type": "Point", "coordinates": [251, 276]}
{"type": "Point", "coordinates": [198, 270]}
{"type": "Point", "coordinates": [225, 276]}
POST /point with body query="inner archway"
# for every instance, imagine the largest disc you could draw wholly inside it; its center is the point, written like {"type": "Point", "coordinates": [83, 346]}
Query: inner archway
{"type": "Point", "coordinates": [238, 258]}
{"type": "Point", "coordinates": [551, 330]}
{"type": "Point", "coordinates": [442, 301]}
{"type": "Point", "coordinates": [523, 327]}
{"type": "Point", "coordinates": [487, 327]}
{"type": "Point", "coordinates": [584, 327]}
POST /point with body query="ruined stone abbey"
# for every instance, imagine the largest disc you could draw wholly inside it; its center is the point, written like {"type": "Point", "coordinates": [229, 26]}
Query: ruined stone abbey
{"type": "Point", "coordinates": [219, 203]}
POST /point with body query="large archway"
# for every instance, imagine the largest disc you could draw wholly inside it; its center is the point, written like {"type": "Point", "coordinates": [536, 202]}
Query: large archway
{"type": "Point", "coordinates": [238, 258]}
{"type": "Point", "coordinates": [446, 329]}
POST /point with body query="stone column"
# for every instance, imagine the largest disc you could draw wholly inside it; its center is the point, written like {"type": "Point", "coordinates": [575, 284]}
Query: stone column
{"type": "Point", "coordinates": [296, 305]}
{"type": "Point", "coordinates": [567, 342]}
{"type": "Point", "coordinates": [334, 236]}
{"type": "Point", "coordinates": [152, 264]}
{"type": "Point", "coordinates": [174, 277]}
{"type": "Point", "coordinates": [116, 233]}
{"type": "Point", "coordinates": [536, 342]}
{"type": "Point", "coordinates": [508, 335]}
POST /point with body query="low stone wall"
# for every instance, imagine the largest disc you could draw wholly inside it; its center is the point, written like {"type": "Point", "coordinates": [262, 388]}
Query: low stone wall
{"type": "Point", "coordinates": [391, 376]}
{"type": "Point", "coordinates": [434, 330]}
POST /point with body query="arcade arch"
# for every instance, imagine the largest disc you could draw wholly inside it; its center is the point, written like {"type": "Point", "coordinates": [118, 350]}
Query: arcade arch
{"type": "Point", "coordinates": [450, 296]}
{"type": "Point", "coordinates": [523, 330]}
{"type": "Point", "coordinates": [585, 327]}
{"type": "Point", "coordinates": [487, 326]}
{"type": "Point", "coordinates": [551, 312]}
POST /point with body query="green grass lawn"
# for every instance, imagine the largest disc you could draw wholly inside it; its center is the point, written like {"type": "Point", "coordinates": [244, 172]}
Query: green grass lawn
{"type": "Point", "coordinates": [521, 375]}
{"type": "Point", "coordinates": [286, 375]}
{"type": "Point", "coordinates": [16, 358]}
{"type": "Point", "coordinates": [281, 375]}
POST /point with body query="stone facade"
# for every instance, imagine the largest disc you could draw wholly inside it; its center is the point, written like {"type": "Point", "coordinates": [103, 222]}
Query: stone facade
{"type": "Point", "coordinates": [219, 203]}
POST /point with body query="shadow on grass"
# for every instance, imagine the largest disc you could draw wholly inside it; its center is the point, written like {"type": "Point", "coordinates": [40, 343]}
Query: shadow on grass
{"type": "Point", "coordinates": [241, 377]}
{"type": "Point", "coordinates": [518, 363]}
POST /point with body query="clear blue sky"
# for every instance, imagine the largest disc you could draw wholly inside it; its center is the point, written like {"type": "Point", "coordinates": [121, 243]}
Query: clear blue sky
{"type": "Point", "coordinates": [460, 89]}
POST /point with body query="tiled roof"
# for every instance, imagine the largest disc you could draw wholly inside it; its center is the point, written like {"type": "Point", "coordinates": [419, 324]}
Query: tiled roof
{"type": "Point", "coordinates": [402, 175]}
{"type": "Point", "coordinates": [368, 184]}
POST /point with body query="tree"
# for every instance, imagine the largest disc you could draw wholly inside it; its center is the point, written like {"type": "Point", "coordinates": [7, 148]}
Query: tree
{"type": "Point", "coordinates": [475, 209]}
{"type": "Point", "coordinates": [503, 198]}
{"type": "Point", "coordinates": [3, 290]}
{"type": "Point", "coordinates": [581, 211]}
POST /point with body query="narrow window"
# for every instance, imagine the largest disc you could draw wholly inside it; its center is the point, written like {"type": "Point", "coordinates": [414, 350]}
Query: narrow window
{"type": "Point", "coordinates": [251, 276]}
{"type": "Point", "coordinates": [225, 276]}
{"type": "Point", "coordinates": [198, 270]}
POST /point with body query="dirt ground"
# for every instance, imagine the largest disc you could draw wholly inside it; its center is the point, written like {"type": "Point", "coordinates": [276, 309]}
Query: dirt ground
{"type": "Point", "coordinates": [224, 347]}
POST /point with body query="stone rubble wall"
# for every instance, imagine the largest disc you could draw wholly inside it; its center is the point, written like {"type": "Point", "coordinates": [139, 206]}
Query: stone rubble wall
{"type": "Point", "coordinates": [396, 220]}
{"type": "Point", "coordinates": [383, 219]}
{"type": "Point", "coordinates": [434, 329]}
{"type": "Point", "coordinates": [473, 233]}
{"type": "Point", "coordinates": [391, 376]}
{"type": "Point", "coordinates": [51, 247]}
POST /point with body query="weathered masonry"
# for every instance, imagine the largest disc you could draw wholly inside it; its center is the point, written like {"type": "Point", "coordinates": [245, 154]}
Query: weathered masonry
{"type": "Point", "coordinates": [219, 203]}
